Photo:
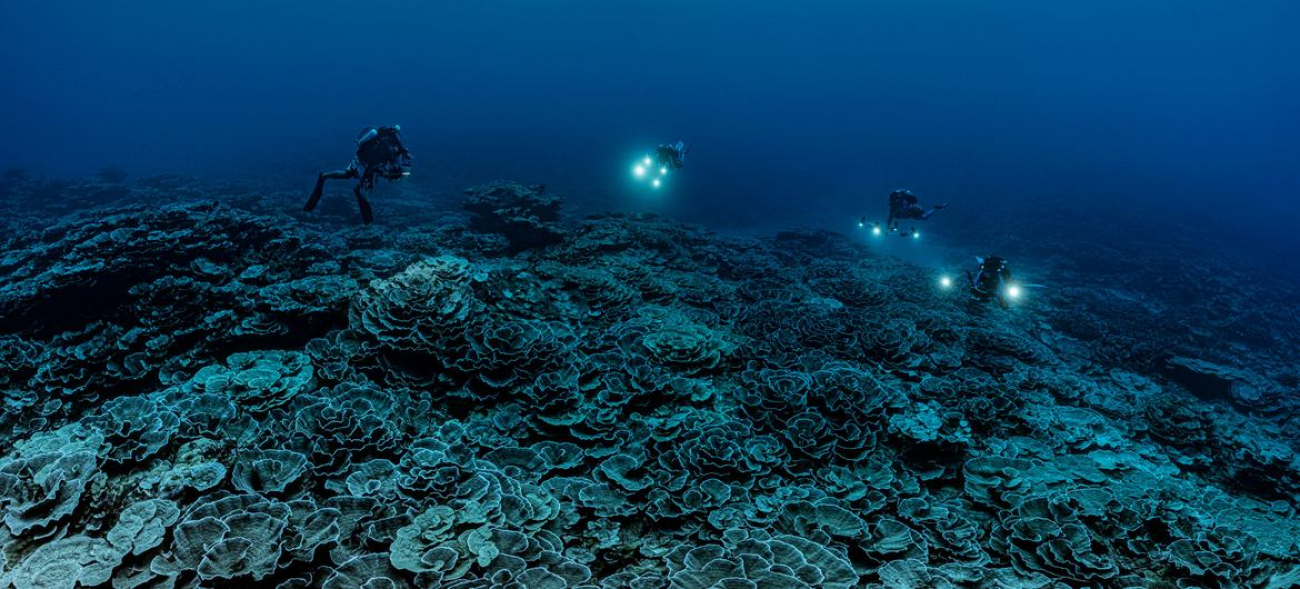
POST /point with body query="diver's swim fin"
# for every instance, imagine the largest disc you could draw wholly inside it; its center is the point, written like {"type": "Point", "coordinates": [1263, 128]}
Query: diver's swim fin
{"type": "Point", "coordinates": [366, 214]}
{"type": "Point", "coordinates": [315, 195]}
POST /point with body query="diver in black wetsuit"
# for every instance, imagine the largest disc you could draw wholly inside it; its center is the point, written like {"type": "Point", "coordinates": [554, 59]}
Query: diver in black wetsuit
{"type": "Point", "coordinates": [672, 157]}
{"type": "Point", "coordinates": [991, 281]}
{"type": "Point", "coordinates": [903, 205]}
{"type": "Point", "coordinates": [380, 154]}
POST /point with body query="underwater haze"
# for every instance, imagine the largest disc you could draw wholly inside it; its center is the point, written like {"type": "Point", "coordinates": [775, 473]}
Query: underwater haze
{"type": "Point", "coordinates": [795, 110]}
{"type": "Point", "coordinates": [934, 295]}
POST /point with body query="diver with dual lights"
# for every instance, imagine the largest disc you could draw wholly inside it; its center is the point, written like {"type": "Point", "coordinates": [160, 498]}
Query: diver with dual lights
{"type": "Point", "coordinates": [667, 158]}
{"type": "Point", "coordinates": [991, 281]}
{"type": "Point", "coordinates": [903, 205]}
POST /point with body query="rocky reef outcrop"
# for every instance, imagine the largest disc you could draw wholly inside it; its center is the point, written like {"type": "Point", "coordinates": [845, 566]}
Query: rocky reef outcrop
{"type": "Point", "coordinates": [527, 216]}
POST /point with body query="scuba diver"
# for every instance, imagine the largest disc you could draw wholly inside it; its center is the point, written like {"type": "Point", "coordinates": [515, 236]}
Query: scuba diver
{"type": "Point", "coordinates": [380, 154]}
{"type": "Point", "coordinates": [672, 157]}
{"type": "Point", "coordinates": [992, 281]}
{"type": "Point", "coordinates": [903, 205]}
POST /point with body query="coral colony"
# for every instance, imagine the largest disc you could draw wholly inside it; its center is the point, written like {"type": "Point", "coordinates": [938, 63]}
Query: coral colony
{"type": "Point", "coordinates": [210, 395]}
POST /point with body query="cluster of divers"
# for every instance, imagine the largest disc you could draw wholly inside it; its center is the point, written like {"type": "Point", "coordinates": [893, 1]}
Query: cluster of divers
{"type": "Point", "coordinates": [381, 154]}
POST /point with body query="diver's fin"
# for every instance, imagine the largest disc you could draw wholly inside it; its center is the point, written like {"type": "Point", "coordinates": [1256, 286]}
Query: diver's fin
{"type": "Point", "coordinates": [979, 260]}
{"type": "Point", "coordinates": [366, 214]}
{"type": "Point", "coordinates": [315, 195]}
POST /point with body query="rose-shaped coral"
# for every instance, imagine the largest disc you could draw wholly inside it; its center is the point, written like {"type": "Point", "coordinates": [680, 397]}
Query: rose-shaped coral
{"type": "Point", "coordinates": [258, 381]}
{"type": "Point", "coordinates": [770, 397]}
{"type": "Point", "coordinates": [688, 348]}
{"type": "Point", "coordinates": [501, 355]}
{"type": "Point", "coordinates": [424, 308]}
{"type": "Point", "coordinates": [784, 561]}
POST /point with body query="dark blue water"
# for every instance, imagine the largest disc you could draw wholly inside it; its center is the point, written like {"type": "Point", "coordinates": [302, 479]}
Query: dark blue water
{"type": "Point", "coordinates": [796, 113]}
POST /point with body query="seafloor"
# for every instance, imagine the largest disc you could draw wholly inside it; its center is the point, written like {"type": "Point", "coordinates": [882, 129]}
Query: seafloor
{"type": "Point", "coordinates": [204, 388]}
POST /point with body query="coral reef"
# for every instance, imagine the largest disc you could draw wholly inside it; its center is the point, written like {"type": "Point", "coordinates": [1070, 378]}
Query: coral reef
{"type": "Point", "coordinates": [201, 395]}
{"type": "Point", "coordinates": [527, 216]}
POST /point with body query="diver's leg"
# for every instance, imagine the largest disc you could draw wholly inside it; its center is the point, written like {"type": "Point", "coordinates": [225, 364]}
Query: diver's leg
{"type": "Point", "coordinates": [320, 186]}
{"type": "Point", "coordinates": [366, 214]}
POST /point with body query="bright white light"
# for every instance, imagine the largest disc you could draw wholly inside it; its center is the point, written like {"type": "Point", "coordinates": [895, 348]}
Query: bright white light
{"type": "Point", "coordinates": [646, 161]}
{"type": "Point", "coordinates": [916, 235]}
{"type": "Point", "coordinates": [861, 224]}
{"type": "Point", "coordinates": [945, 282]}
{"type": "Point", "coordinates": [1013, 291]}
{"type": "Point", "coordinates": [663, 170]}
{"type": "Point", "coordinates": [875, 230]}
{"type": "Point", "coordinates": [639, 171]}
{"type": "Point", "coordinates": [656, 183]}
